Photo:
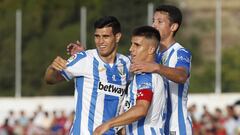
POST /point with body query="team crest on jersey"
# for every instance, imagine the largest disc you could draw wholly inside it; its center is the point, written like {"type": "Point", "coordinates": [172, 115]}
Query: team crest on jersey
{"type": "Point", "coordinates": [101, 69]}
{"type": "Point", "coordinates": [72, 58]}
{"type": "Point", "coordinates": [121, 70]}
{"type": "Point", "coordinates": [164, 59]}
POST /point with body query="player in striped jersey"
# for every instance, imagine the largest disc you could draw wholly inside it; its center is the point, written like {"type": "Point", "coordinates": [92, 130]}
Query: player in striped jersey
{"type": "Point", "coordinates": [174, 64]}
{"type": "Point", "coordinates": [100, 76]}
{"type": "Point", "coordinates": [146, 98]}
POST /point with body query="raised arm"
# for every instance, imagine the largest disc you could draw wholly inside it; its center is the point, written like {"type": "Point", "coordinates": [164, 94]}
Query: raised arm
{"type": "Point", "coordinates": [52, 74]}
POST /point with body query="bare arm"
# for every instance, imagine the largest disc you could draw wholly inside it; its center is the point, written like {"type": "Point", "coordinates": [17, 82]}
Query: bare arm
{"type": "Point", "coordinates": [178, 74]}
{"type": "Point", "coordinates": [126, 118]}
{"type": "Point", "coordinates": [52, 74]}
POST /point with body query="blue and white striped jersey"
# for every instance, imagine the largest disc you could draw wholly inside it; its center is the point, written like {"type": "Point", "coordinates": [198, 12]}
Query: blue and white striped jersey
{"type": "Point", "coordinates": [153, 123]}
{"type": "Point", "coordinates": [99, 89]}
{"type": "Point", "coordinates": [178, 120]}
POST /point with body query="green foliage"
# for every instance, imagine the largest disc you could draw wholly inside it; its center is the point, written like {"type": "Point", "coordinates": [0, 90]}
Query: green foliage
{"type": "Point", "coordinates": [202, 78]}
{"type": "Point", "coordinates": [7, 53]}
{"type": "Point", "coordinates": [48, 26]}
{"type": "Point", "coordinates": [230, 69]}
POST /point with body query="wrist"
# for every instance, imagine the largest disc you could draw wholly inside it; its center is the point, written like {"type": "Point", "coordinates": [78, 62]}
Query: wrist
{"type": "Point", "coordinates": [110, 124]}
{"type": "Point", "coordinates": [157, 68]}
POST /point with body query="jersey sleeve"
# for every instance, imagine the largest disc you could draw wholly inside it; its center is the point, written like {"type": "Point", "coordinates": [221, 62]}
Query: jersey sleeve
{"type": "Point", "coordinates": [77, 65]}
{"type": "Point", "coordinates": [144, 86]}
{"type": "Point", "coordinates": [184, 59]}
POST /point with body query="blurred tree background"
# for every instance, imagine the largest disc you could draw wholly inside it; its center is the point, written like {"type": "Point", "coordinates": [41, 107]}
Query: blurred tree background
{"type": "Point", "coordinates": [48, 26]}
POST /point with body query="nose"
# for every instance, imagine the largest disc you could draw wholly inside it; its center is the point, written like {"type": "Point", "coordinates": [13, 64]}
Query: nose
{"type": "Point", "coordinates": [101, 40]}
{"type": "Point", "coordinates": [154, 24]}
{"type": "Point", "coordinates": [131, 49]}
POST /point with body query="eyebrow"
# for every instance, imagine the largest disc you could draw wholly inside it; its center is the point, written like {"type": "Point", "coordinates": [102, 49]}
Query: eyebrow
{"type": "Point", "coordinates": [135, 43]}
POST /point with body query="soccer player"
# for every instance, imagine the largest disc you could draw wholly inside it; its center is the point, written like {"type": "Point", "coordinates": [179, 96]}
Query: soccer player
{"type": "Point", "coordinates": [100, 76]}
{"type": "Point", "coordinates": [145, 106]}
{"type": "Point", "coordinates": [174, 64]}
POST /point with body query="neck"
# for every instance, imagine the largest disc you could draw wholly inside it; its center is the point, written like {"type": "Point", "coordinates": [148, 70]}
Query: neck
{"type": "Point", "coordinates": [150, 58]}
{"type": "Point", "coordinates": [110, 59]}
{"type": "Point", "coordinates": [165, 44]}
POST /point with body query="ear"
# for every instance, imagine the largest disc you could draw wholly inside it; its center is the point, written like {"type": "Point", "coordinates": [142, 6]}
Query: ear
{"type": "Point", "coordinates": [152, 50]}
{"type": "Point", "coordinates": [118, 37]}
{"type": "Point", "coordinates": [174, 27]}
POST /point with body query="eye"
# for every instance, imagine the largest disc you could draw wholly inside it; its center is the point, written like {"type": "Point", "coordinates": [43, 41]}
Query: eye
{"type": "Point", "coordinates": [96, 36]}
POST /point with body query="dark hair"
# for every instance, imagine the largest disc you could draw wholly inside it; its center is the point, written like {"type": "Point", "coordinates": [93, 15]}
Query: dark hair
{"type": "Point", "coordinates": [174, 13]}
{"type": "Point", "coordinates": [148, 32]}
{"type": "Point", "coordinates": [108, 21]}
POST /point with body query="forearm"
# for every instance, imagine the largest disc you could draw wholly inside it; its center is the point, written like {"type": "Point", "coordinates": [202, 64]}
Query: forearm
{"type": "Point", "coordinates": [177, 75]}
{"type": "Point", "coordinates": [128, 117]}
{"type": "Point", "coordinates": [52, 76]}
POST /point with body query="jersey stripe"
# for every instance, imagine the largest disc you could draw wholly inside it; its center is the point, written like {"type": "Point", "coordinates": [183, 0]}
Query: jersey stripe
{"type": "Point", "coordinates": [110, 110]}
{"type": "Point", "coordinates": [65, 75]}
{"type": "Point", "coordinates": [190, 122]}
{"type": "Point", "coordinates": [78, 116]}
{"type": "Point", "coordinates": [130, 130]}
{"type": "Point", "coordinates": [94, 96]}
{"type": "Point", "coordinates": [131, 94]}
{"type": "Point", "coordinates": [140, 126]}
{"type": "Point", "coordinates": [169, 109]}
{"type": "Point", "coordinates": [125, 68]}
{"type": "Point", "coordinates": [169, 103]}
{"type": "Point", "coordinates": [153, 132]}
{"type": "Point", "coordinates": [181, 121]}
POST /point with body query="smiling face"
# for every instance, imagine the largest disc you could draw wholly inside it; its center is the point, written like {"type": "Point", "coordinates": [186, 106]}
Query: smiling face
{"type": "Point", "coordinates": [142, 49]}
{"type": "Point", "coordinates": [106, 41]}
{"type": "Point", "coordinates": [162, 23]}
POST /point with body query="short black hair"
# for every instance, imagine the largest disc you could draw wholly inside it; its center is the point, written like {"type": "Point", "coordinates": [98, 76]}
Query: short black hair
{"type": "Point", "coordinates": [148, 32]}
{"type": "Point", "coordinates": [108, 21]}
{"type": "Point", "coordinates": [174, 13]}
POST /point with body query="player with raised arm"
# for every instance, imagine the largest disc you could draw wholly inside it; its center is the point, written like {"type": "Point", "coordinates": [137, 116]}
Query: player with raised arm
{"type": "Point", "coordinates": [100, 76]}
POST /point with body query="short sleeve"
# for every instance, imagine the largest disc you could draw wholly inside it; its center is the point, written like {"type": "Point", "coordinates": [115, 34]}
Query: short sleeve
{"type": "Point", "coordinates": [77, 64]}
{"type": "Point", "coordinates": [184, 59]}
{"type": "Point", "coordinates": [144, 86]}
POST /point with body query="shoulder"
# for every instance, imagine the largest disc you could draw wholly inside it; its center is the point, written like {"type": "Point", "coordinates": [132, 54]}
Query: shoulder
{"type": "Point", "coordinates": [88, 54]}
{"type": "Point", "coordinates": [81, 56]}
{"type": "Point", "coordinates": [144, 80]}
{"type": "Point", "coordinates": [144, 77]}
{"type": "Point", "coordinates": [124, 59]}
{"type": "Point", "coordinates": [181, 50]}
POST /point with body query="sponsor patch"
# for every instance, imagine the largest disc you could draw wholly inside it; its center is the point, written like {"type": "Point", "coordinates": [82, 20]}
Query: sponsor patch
{"type": "Point", "coordinates": [111, 89]}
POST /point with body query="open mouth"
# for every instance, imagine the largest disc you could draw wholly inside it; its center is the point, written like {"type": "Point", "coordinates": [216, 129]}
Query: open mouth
{"type": "Point", "coordinates": [133, 57]}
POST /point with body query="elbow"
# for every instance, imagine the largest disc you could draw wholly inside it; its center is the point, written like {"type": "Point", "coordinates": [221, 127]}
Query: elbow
{"type": "Point", "coordinates": [48, 80]}
{"type": "Point", "coordinates": [182, 79]}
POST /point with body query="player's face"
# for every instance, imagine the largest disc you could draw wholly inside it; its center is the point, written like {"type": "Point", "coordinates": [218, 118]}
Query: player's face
{"type": "Point", "coordinates": [106, 41]}
{"type": "Point", "coordinates": [162, 23]}
{"type": "Point", "coordinates": [139, 48]}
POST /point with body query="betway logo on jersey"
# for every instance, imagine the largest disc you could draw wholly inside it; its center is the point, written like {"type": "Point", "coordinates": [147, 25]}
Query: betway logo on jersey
{"type": "Point", "coordinates": [111, 89]}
